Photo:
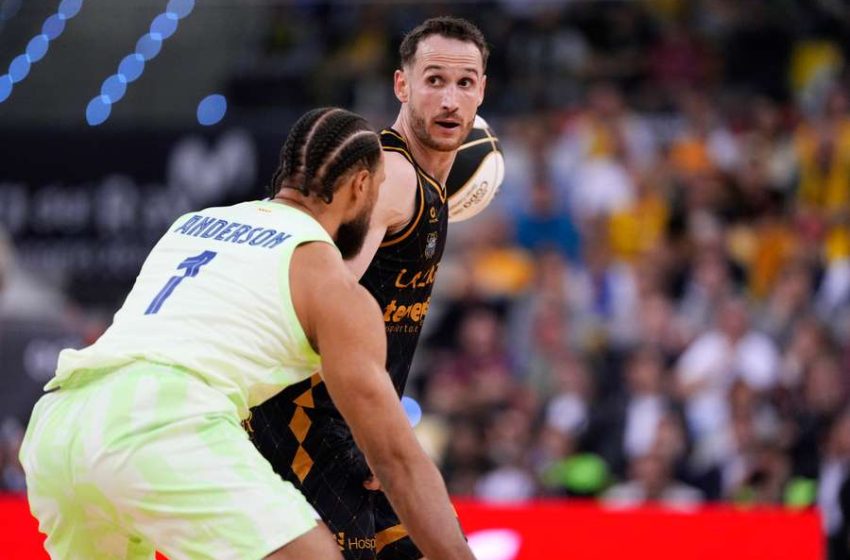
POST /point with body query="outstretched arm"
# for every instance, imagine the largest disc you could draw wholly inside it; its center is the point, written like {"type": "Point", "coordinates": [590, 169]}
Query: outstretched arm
{"type": "Point", "coordinates": [345, 324]}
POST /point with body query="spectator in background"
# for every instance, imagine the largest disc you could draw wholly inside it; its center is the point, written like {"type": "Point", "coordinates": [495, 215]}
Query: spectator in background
{"type": "Point", "coordinates": [823, 150]}
{"type": "Point", "coordinates": [767, 243]}
{"type": "Point", "coordinates": [568, 410]}
{"type": "Point", "coordinates": [715, 360]}
{"type": "Point", "coordinates": [465, 457]}
{"type": "Point", "coordinates": [769, 146]}
{"type": "Point", "coordinates": [765, 482]}
{"type": "Point", "coordinates": [709, 284]}
{"type": "Point", "coordinates": [651, 481]}
{"type": "Point", "coordinates": [499, 268]}
{"type": "Point", "coordinates": [639, 228]}
{"type": "Point", "coordinates": [733, 453]}
{"type": "Point", "coordinates": [507, 439]}
{"type": "Point", "coordinates": [703, 144]}
{"type": "Point", "coordinates": [549, 350]}
{"type": "Point", "coordinates": [477, 375]}
{"type": "Point", "coordinates": [545, 225]}
{"type": "Point", "coordinates": [605, 293]}
{"type": "Point", "coordinates": [628, 425]}
{"type": "Point", "coordinates": [787, 302]}
{"type": "Point", "coordinates": [601, 187]}
{"type": "Point", "coordinates": [660, 327]}
{"type": "Point", "coordinates": [808, 340]}
{"type": "Point", "coordinates": [550, 449]}
{"type": "Point", "coordinates": [818, 402]}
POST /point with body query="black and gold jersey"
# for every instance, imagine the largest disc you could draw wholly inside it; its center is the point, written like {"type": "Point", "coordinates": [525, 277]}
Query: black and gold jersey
{"type": "Point", "coordinates": [402, 273]}
{"type": "Point", "coordinates": [400, 277]}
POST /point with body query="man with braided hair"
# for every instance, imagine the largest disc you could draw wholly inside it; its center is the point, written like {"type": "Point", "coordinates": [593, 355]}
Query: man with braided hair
{"type": "Point", "coordinates": [440, 85]}
{"type": "Point", "coordinates": [138, 445]}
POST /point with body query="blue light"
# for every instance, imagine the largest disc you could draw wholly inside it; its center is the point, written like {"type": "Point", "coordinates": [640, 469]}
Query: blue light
{"type": "Point", "coordinates": [5, 87]}
{"type": "Point", "coordinates": [211, 109]}
{"type": "Point", "coordinates": [131, 67]}
{"type": "Point", "coordinates": [164, 25]}
{"type": "Point", "coordinates": [53, 27]}
{"type": "Point", "coordinates": [148, 46]}
{"type": "Point", "coordinates": [98, 110]}
{"type": "Point", "coordinates": [180, 8]}
{"type": "Point", "coordinates": [19, 68]}
{"type": "Point", "coordinates": [69, 8]}
{"type": "Point", "coordinates": [37, 47]}
{"type": "Point", "coordinates": [412, 409]}
{"type": "Point", "coordinates": [113, 88]}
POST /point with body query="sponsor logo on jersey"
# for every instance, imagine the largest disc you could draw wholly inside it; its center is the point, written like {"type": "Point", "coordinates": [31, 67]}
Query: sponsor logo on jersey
{"type": "Point", "coordinates": [419, 279]}
{"type": "Point", "coordinates": [395, 313]}
{"type": "Point", "coordinates": [355, 543]}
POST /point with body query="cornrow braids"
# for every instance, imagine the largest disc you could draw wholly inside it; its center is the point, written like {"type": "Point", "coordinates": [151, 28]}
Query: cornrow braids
{"type": "Point", "coordinates": [323, 141]}
{"type": "Point", "coordinates": [322, 146]}
{"type": "Point", "coordinates": [290, 154]}
{"type": "Point", "coordinates": [357, 148]}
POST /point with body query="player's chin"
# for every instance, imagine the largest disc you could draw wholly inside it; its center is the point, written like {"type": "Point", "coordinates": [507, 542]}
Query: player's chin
{"type": "Point", "coordinates": [447, 142]}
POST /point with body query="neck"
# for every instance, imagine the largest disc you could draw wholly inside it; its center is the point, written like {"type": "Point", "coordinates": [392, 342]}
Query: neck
{"type": "Point", "coordinates": [326, 214]}
{"type": "Point", "coordinates": [436, 163]}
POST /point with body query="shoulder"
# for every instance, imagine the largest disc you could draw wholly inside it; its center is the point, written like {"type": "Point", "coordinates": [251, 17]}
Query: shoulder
{"type": "Point", "coordinates": [398, 191]}
{"type": "Point", "coordinates": [400, 171]}
{"type": "Point", "coordinates": [319, 261]}
{"type": "Point", "coordinates": [320, 268]}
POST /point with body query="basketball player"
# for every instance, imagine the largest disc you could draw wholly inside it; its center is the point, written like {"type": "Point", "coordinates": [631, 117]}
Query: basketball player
{"type": "Point", "coordinates": [440, 86]}
{"type": "Point", "coordinates": [138, 446]}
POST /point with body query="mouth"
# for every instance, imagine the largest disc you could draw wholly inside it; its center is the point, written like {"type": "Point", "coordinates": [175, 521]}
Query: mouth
{"type": "Point", "coordinates": [448, 125]}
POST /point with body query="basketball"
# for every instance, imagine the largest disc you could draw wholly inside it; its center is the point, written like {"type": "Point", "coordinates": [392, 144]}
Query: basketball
{"type": "Point", "coordinates": [477, 173]}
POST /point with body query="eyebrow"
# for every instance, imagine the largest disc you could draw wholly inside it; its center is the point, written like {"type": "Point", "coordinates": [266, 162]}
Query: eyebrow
{"type": "Point", "coordinates": [439, 67]}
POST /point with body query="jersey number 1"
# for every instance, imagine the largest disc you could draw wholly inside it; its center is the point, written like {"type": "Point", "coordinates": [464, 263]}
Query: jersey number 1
{"type": "Point", "coordinates": [190, 267]}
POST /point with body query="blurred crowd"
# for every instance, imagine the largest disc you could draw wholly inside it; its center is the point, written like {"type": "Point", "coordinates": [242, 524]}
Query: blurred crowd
{"type": "Point", "coordinates": [656, 307]}
{"type": "Point", "coordinates": [670, 317]}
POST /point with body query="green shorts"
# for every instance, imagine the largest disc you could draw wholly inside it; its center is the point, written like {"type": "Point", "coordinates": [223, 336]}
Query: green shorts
{"type": "Point", "coordinates": [147, 458]}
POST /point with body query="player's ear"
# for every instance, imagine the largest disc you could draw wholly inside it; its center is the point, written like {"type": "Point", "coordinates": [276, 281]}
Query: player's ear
{"type": "Point", "coordinates": [360, 184]}
{"type": "Point", "coordinates": [400, 86]}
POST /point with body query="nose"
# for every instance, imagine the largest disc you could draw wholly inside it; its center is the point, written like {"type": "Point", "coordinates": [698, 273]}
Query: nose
{"type": "Point", "coordinates": [449, 100]}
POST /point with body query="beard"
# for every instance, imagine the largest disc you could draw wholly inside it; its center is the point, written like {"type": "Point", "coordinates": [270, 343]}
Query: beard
{"type": "Point", "coordinates": [420, 129]}
{"type": "Point", "coordinates": [351, 235]}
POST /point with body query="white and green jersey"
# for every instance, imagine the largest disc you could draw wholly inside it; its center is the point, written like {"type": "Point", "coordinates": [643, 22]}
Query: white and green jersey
{"type": "Point", "coordinates": [213, 297]}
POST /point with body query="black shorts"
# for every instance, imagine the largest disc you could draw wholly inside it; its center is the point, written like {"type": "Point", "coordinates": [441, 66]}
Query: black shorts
{"type": "Point", "coordinates": [314, 450]}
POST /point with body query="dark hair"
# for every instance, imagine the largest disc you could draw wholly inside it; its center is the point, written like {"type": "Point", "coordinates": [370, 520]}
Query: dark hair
{"type": "Point", "coordinates": [445, 26]}
{"type": "Point", "coordinates": [322, 146]}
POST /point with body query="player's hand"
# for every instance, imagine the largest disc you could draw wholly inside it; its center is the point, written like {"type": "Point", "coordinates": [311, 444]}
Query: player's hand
{"type": "Point", "coordinates": [372, 483]}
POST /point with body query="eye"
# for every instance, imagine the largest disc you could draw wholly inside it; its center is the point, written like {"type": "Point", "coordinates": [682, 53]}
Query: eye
{"type": "Point", "coordinates": [434, 80]}
{"type": "Point", "coordinates": [465, 82]}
